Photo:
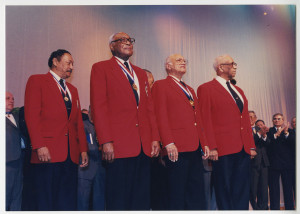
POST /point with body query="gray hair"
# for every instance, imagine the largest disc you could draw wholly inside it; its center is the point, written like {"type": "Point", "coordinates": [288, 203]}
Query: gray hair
{"type": "Point", "coordinates": [111, 38]}
{"type": "Point", "coordinates": [218, 60]}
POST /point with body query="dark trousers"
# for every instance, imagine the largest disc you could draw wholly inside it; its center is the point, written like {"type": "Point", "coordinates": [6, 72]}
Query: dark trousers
{"type": "Point", "coordinates": [14, 183]}
{"type": "Point", "coordinates": [274, 188]}
{"type": "Point", "coordinates": [56, 185]}
{"type": "Point", "coordinates": [128, 183]}
{"type": "Point", "coordinates": [158, 184]}
{"type": "Point", "coordinates": [185, 182]}
{"type": "Point", "coordinates": [232, 181]}
{"type": "Point", "coordinates": [92, 190]}
{"type": "Point", "coordinates": [259, 188]}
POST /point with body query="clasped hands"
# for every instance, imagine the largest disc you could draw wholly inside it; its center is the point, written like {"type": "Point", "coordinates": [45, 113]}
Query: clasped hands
{"type": "Point", "coordinates": [108, 153]}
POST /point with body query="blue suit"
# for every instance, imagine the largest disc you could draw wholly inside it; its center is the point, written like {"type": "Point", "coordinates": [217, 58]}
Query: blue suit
{"type": "Point", "coordinates": [91, 179]}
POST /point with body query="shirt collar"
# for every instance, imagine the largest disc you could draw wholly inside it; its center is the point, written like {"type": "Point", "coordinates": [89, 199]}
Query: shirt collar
{"type": "Point", "coordinates": [221, 80]}
{"type": "Point", "coordinates": [121, 60]}
{"type": "Point", "coordinates": [175, 78]}
{"type": "Point", "coordinates": [56, 76]}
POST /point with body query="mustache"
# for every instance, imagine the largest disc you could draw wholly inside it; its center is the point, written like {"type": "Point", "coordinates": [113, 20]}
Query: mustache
{"type": "Point", "coordinates": [71, 70]}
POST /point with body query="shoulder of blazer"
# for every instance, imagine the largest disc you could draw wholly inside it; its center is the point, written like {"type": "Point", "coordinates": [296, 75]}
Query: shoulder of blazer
{"type": "Point", "coordinates": [208, 84]}
{"type": "Point", "coordinates": [104, 62]}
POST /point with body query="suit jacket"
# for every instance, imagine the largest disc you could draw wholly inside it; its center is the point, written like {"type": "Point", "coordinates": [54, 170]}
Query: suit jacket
{"type": "Point", "coordinates": [115, 113]}
{"type": "Point", "coordinates": [177, 120]}
{"type": "Point", "coordinates": [95, 158]}
{"type": "Point", "coordinates": [261, 150]}
{"type": "Point", "coordinates": [226, 128]}
{"type": "Point", "coordinates": [47, 119]}
{"type": "Point", "coordinates": [13, 139]}
{"type": "Point", "coordinates": [279, 151]}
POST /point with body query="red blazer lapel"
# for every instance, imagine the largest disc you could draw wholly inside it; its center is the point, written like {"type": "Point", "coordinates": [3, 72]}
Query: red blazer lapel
{"type": "Point", "coordinates": [179, 91]}
{"type": "Point", "coordinates": [53, 86]}
{"type": "Point", "coordinates": [225, 94]}
{"type": "Point", "coordinates": [121, 79]}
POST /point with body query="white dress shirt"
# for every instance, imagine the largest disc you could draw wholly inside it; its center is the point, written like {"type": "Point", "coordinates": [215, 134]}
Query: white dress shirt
{"type": "Point", "coordinates": [222, 81]}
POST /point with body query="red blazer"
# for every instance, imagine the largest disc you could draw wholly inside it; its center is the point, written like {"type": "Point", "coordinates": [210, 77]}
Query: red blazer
{"type": "Point", "coordinates": [47, 120]}
{"type": "Point", "coordinates": [226, 128]}
{"type": "Point", "coordinates": [115, 113]}
{"type": "Point", "coordinates": [178, 122]}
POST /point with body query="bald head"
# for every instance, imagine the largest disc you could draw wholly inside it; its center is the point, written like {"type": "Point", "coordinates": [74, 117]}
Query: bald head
{"type": "Point", "coordinates": [10, 102]}
{"type": "Point", "coordinates": [176, 65]}
{"type": "Point", "coordinates": [225, 67]}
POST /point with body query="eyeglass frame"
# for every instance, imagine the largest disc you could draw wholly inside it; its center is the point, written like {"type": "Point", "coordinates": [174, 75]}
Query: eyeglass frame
{"type": "Point", "coordinates": [232, 64]}
{"type": "Point", "coordinates": [185, 61]}
{"type": "Point", "coordinates": [124, 40]}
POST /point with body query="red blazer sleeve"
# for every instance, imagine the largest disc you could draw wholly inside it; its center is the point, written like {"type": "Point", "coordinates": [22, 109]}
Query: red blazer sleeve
{"type": "Point", "coordinates": [99, 104]}
{"type": "Point", "coordinates": [33, 109]}
{"type": "Point", "coordinates": [160, 107]}
{"type": "Point", "coordinates": [83, 145]}
{"type": "Point", "coordinates": [204, 102]}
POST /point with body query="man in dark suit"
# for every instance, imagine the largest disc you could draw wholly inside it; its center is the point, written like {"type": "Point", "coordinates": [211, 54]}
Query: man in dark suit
{"type": "Point", "coordinates": [259, 168]}
{"type": "Point", "coordinates": [54, 121]}
{"type": "Point", "coordinates": [224, 108]}
{"type": "Point", "coordinates": [281, 164]}
{"type": "Point", "coordinates": [14, 157]}
{"type": "Point", "coordinates": [181, 131]}
{"type": "Point", "coordinates": [125, 125]}
{"type": "Point", "coordinates": [292, 140]}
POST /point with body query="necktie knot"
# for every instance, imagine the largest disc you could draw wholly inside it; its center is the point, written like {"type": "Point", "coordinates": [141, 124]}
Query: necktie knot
{"type": "Point", "coordinates": [127, 66]}
{"type": "Point", "coordinates": [61, 82]}
{"type": "Point", "coordinates": [183, 83]}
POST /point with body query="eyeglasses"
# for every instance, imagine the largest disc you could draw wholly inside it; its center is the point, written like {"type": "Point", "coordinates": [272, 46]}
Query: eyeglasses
{"type": "Point", "coordinates": [232, 64]}
{"type": "Point", "coordinates": [125, 40]}
{"type": "Point", "coordinates": [181, 60]}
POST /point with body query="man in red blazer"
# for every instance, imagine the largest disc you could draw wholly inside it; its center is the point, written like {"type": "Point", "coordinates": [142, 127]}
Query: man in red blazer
{"type": "Point", "coordinates": [53, 118]}
{"type": "Point", "coordinates": [125, 125]}
{"type": "Point", "coordinates": [181, 131]}
{"type": "Point", "coordinates": [224, 109]}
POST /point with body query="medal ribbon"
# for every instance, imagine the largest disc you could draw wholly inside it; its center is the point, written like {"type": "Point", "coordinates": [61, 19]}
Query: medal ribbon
{"type": "Point", "coordinates": [61, 88]}
{"type": "Point", "coordinates": [184, 89]}
{"type": "Point", "coordinates": [125, 70]}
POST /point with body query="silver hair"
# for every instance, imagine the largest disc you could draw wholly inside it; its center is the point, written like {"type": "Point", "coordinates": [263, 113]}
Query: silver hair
{"type": "Point", "coordinates": [111, 38]}
{"type": "Point", "coordinates": [218, 60]}
{"type": "Point", "coordinates": [168, 61]}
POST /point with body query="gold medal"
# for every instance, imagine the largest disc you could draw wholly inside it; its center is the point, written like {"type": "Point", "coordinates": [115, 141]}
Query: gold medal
{"type": "Point", "coordinates": [134, 86]}
{"type": "Point", "coordinates": [66, 99]}
{"type": "Point", "coordinates": [192, 102]}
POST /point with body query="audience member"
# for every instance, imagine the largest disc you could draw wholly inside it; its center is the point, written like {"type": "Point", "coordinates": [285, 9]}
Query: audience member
{"type": "Point", "coordinates": [150, 77]}
{"type": "Point", "coordinates": [259, 168]}
{"type": "Point", "coordinates": [53, 118]}
{"type": "Point", "coordinates": [224, 108]}
{"type": "Point", "coordinates": [91, 179]}
{"type": "Point", "coordinates": [281, 164]}
{"type": "Point", "coordinates": [14, 157]}
{"type": "Point", "coordinates": [293, 149]}
{"type": "Point", "coordinates": [125, 125]}
{"type": "Point", "coordinates": [85, 114]}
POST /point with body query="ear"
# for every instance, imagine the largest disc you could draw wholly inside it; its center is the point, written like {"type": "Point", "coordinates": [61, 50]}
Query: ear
{"type": "Point", "coordinates": [220, 68]}
{"type": "Point", "coordinates": [55, 62]}
{"type": "Point", "coordinates": [111, 46]}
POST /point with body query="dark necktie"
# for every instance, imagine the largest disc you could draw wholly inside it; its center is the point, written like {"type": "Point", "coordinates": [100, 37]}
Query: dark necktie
{"type": "Point", "coordinates": [236, 97]}
{"type": "Point", "coordinates": [61, 82]}
{"type": "Point", "coordinates": [66, 97]}
{"type": "Point", "coordinates": [134, 89]}
{"type": "Point", "coordinates": [127, 66]}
